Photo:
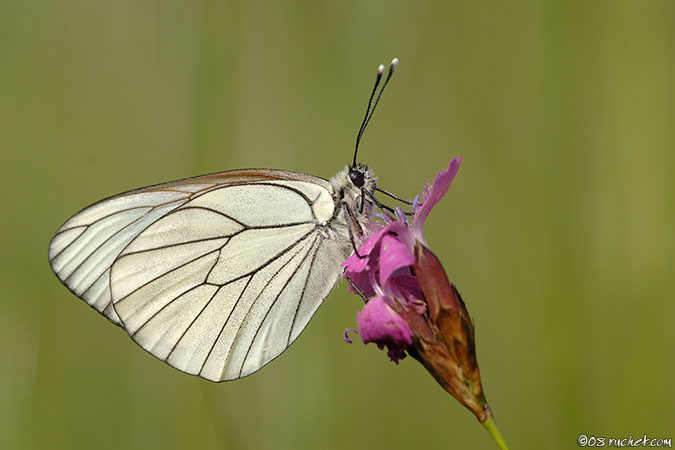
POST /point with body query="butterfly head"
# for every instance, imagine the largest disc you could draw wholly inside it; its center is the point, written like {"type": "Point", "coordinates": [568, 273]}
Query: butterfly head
{"type": "Point", "coordinates": [362, 177]}
{"type": "Point", "coordinates": [354, 181]}
{"type": "Point", "coordinates": [355, 187]}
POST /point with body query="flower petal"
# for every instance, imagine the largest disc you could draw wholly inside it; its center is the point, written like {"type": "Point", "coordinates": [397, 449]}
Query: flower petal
{"type": "Point", "coordinates": [393, 255]}
{"type": "Point", "coordinates": [380, 324]}
{"type": "Point", "coordinates": [356, 264]}
{"type": "Point", "coordinates": [433, 194]}
{"type": "Point", "coordinates": [362, 271]}
{"type": "Point", "coordinates": [362, 282]}
{"type": "Point", "coordinates": [406, 289]}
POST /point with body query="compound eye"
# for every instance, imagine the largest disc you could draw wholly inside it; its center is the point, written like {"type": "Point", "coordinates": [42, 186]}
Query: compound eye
{"type": "Point", "coordinates": [357, 177]}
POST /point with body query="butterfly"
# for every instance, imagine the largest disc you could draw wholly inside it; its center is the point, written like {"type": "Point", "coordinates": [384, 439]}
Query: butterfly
{"type": "Point", "coordinates": [218, 274]}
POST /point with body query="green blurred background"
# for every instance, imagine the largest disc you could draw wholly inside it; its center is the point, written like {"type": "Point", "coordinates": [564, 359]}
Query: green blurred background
{"type": "Point", "coordinates": [559, 229]}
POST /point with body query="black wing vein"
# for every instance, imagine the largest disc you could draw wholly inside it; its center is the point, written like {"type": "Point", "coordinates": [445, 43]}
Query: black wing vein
{"type": "Point", "coordinates": [290, 278]}
{"type": "Point", "coordinates": [99, 246]}
{"type": "Point", "coordinates": [241, 294]}
{"type": "Point", "coordinates": [302, 294]}
{"type": "Point", "coordinates": [191, 323]}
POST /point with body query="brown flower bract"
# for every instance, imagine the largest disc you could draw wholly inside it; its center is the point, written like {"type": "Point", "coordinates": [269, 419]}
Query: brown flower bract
{"type": "Point", "coordinates": [444, 339]}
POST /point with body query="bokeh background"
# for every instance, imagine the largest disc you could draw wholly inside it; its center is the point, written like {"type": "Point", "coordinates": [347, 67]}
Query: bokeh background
{"type": "Point", "coordinates": [559, 228]}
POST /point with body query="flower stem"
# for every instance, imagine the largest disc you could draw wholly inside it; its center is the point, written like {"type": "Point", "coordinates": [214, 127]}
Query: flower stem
{"type": "Point", "coordinates": [491, 428]}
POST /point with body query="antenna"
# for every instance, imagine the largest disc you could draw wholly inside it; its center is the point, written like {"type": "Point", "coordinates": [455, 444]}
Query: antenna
{"type": "Point", "coordinates": [371, 107]}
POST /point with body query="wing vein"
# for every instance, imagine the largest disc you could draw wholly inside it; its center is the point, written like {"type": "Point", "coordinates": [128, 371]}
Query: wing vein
{"type": "Point", "coordinates": [225, 324]}
{"type": "Point", "coordinates": [164, 274]}
{"type": "Point", "coordinates": [206, 208]}
{"type": "Point", "coordinates": [192, 323]}
{"type": "Point", "coordinates": [302, 294]}
{"type": "Point", "coordinates": [164, 307]}
{"type": "Point", "coordinates": [282, 186]}
{"type": "Point", "coordinates": [92, 284]}
{"type": "Point", "coordinates": [61, 231]}
{"type": "Point", "coordinates": [215, 263]}
{"type": "Point", "coordinates": [163, 247]}
{"type": "Point", "coordinates": [51, 260]}
{"type": "Point", "coordinates": [107, 216]}
{"type": "Point", "coordinates": [271, 260]}
{"type": "Point", "coordinates": [248, 311]}
{"type": "Point", "coordinates": [87, 225]}
{"type": "Point", "coordinates": [295, 271]}
{"type": "Point", "coordinates": [257, 296]}
{"type": "Point", "coordinates": [102, 244]}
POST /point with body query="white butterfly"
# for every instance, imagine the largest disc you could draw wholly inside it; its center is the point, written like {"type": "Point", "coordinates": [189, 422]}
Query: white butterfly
{"type": "Point", "coordinates": [218, 274]}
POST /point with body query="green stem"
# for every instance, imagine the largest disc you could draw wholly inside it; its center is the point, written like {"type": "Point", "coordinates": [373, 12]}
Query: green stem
{"type": "Point", "coordinates": [491, 428]}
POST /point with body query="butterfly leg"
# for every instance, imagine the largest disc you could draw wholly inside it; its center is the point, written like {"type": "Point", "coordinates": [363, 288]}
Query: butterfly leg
{"type": "Point", "coordinates": [357, 290]}
{"type": "Point", "coordinates": [384, 207]}
{"type": "Point", "coordinates": [395, 197]}
{"type": "Point", "coordinates": [349, 220]}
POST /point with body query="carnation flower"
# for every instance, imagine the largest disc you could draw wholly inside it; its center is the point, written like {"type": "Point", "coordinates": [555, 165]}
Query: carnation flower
{"type": "Point", "coordinates": [384, 269]}
{"type": "Point", "coordinates": [412, 307]}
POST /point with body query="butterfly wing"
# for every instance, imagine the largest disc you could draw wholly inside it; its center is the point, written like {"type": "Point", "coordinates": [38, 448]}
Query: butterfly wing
{"type": "Point", "coordinates": [215, 275]}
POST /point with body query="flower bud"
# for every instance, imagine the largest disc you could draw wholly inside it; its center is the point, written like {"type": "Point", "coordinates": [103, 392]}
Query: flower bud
{"type": "Point", "coordinates": [450, 355]}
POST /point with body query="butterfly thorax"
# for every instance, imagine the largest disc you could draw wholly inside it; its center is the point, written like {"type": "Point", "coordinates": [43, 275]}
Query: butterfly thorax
{"type": "Point", "coordinates": [353, 193]}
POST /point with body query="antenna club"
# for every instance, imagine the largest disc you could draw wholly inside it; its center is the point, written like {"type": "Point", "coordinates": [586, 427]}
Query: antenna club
{"type": "Point", "coordinates": [371, 106]}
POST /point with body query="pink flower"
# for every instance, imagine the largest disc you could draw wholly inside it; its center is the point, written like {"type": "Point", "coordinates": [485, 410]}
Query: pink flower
{"type": "Point", "coordinates": [415, 309]}
{"type": "Point", "coordinates": [384, 270]}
